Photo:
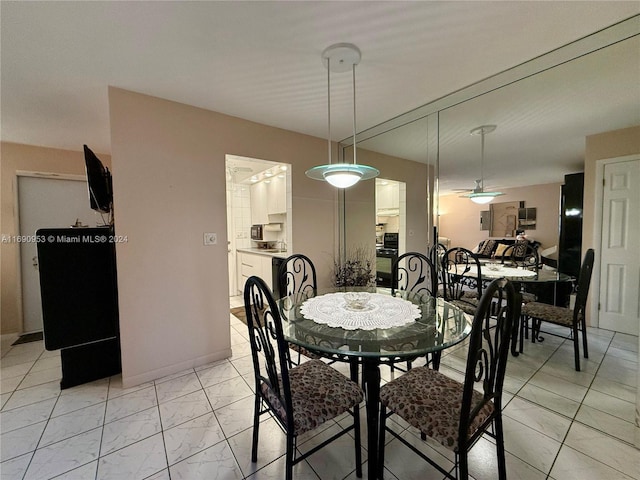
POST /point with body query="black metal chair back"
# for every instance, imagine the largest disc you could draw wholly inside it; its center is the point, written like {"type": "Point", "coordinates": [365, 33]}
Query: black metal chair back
{"type": "Point", "coordinates": [269, 350]}
{"type": "Point", "coordinates": [489, 344]}
{"type": "Point", "coordinates": [415, 273]}
{"type": "Point", "coordinates": [521, 255]}
{"type": "Point", "coordinates": [582, 290]}
{"type": "Point", "coordinates": [461, 273]}
{"type": "Point", "coordinates": [297, 274]}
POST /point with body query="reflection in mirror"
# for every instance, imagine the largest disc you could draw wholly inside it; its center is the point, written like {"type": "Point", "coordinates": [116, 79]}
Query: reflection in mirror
{"type": "Point", "coordinates": [504, 219]}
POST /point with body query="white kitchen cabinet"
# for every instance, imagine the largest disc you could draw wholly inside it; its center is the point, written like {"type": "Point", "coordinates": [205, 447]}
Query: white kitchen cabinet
{"type": "Point", "coordinates": [250, 264]}
{"type": "Point", "coordinates": [388, 196]}
{"type": "Point", "coordinates": [259, 212]}
{"type": "Point", "coordinates": [277, 196]}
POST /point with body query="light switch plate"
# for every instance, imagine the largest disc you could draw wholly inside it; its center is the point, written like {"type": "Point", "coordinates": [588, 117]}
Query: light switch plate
{"type": "Point", "coordinates": [210, 238]}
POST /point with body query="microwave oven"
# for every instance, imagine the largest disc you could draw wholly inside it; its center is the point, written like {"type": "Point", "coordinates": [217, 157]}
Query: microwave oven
{"type": "Point", "coordinates": [257, 232]}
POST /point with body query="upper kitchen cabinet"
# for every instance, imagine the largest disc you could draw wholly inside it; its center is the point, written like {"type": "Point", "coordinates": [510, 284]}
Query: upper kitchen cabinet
{"type": "Point", "coordinates": [277, 195]}
{"type": "Point", "coordinates": [268, 197]}
{"type": "Point", "coordinates": [259, 212]}
{"type": "Point", "coordinates": [387, 198]}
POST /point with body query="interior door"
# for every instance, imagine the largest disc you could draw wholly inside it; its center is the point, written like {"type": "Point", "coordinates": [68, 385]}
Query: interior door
{"type": "Point", "coordinates": [45, 203]}
{"type": "Point", "coordinates": [620, 257]}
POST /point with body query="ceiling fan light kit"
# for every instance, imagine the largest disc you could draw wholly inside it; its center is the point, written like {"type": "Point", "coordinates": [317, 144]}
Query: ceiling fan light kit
{"type": "Point", "coordinates": [341, 57]}
{"type": "Point", "coordinates": [478, 195]}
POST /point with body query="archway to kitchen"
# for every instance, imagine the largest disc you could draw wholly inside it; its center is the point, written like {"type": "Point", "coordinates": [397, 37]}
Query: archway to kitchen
{"type": "Point", "coordinates": [258, 217]}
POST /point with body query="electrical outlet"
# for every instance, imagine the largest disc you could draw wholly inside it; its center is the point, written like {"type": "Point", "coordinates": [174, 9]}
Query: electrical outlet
{"type": "Point", "coordinates": [210, 238]}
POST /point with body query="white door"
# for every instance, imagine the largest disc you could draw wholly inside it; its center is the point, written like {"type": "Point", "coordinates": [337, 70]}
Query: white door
{"type": "Point", "coordinates": [620, 256]}
{"type": "Point", "coordinates": [45, 203]}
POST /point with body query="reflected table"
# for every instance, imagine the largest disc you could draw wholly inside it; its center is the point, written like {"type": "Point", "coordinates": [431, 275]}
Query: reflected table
{"type": "Point", "coordinates": [423, 325]}
{"type": "Point", "coordinates": [533, 277]}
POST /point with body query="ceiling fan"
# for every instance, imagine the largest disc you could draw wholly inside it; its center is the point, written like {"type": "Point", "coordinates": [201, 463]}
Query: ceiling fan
{"type": "Point", "coordinates": [478, 194]}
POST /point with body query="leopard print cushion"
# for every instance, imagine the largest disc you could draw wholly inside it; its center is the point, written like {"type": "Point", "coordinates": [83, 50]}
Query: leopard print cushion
{"type": "Point", "coordinates": [486, 248]}
{"type": "Point", "coordinates": [549, 313]}
{"type": "Point", "coordinates": [520, 248]}
{"type": "Point", "coordinates": [467, 305]}
{"type": "Point", "coordinates": [431, 402]}
{"type": "Point", "coordinates": [319, 393]}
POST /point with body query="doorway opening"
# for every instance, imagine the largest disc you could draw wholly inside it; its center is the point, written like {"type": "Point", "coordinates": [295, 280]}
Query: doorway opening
{"type": "Point", "coordinates": [258, 194]}
{"type": "Point", "coordinates": [391, 221]}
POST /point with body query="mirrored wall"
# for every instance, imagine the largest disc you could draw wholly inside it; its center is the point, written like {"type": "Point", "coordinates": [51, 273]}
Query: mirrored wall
{"type": "Point", "coordinates": [542, 110]}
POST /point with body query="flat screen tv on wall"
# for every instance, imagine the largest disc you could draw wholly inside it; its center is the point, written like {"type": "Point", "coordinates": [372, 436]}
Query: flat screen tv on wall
{"type": "Point", "coordinates": [99, 182]}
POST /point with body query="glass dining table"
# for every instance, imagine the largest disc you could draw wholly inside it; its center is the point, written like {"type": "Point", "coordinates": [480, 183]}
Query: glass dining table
{"type": "Point", "coordinates": [379, 329]}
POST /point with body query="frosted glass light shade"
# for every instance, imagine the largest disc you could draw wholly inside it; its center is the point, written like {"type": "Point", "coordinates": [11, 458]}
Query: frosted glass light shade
{"type": "Point", "coordinates": [483, 198]}
{"type": "Point", "coordinates": [342, 175]}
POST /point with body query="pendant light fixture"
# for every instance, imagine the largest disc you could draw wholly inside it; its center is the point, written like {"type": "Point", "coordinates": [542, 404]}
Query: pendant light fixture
{"type": "Point", "coordinates": [478, 195]}
{"type": "Point", "coordinates": [341, 57]}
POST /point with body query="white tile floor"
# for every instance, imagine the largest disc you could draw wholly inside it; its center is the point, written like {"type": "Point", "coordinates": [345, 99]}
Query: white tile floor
{"type": "Point", "coordinates": [559, 424]}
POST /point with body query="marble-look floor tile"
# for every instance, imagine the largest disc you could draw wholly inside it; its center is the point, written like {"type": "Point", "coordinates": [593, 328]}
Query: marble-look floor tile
{"type": "Point", "coordinates": [182, 409]}
{"type": "Point", "coordinates": [559, 386]}
{"type": "Point", "coordinates": [30, 395]}
{"type": "Point", "coordinates": [615, 389]}
{"type": "Point", "coordinates": [81, 396]}
{"type": "Point", "coordinates": [605, 449]}
{"type": "Point", "coordinates": [15, 468]}
{"type": "Point", "coordinates": [177, 387]}
{"type": "Point", "coordinates": [19, 370]}
{"type": "Point", "coordinates": [192, 437]}
{"type": "Point", "coordinates": [236, 417]}
{"type": "Point", "coordinates": [335, 460]}
{"type": "Point", "coordinates": [573, 465]}
{"type": "Point", "coordinates": [130, 403]}
{"type": "Point", "coordinates": [539, 418]}
{"type": "Point", "coordinates": [550, 400]}
{"type": "Point", "coordinates": [117, 390]}
{"type": "Point", "coordinates": [47, 363]}
{"type": "Point", "coordinates": [135, 462]}
{"type": "Point", "coordinates": [244, 365]}
{"type": "Point", "coordinates": [65, 426]}
{"type": "Point", "coordinates": [627, 376]}
{"type": "Point", "coordinates": [216, 374]}
{"type": "Point", "coordinates": [614, 426]}
{"type": "Point", "coordinates": [214, 463]}
{"type": "Point", "coordinates": [611, 405]}
{"type": "Point", "coordinates": [529, 445]}
{"type": "Point", "coordinates": [161, 475]}
{"type": "Point", "coordinates": [28, 415]}
{"type": "Point", "coordinates": [276, 471]}
{"type": "Point", "coordinates": [128, 430]}
{"type": "Point", "coordinates": [406, 465]}
{"type": "Point", "coordinates": [21, 441]}
{"type": "Point", "coordinates": [271, 445]}
{"type": "Point", "coordinates": [8, 385]}
{"type": "Point", "coordinates": [63, 456]}
{"type": "Point", "coordinates": [85, 472]}
{"type": "Point", "coordinates": [483, 464]}
{"type": "Point", "coordinates": [227, 392]}
{"type": "Point", "coordinates": [34, 378]}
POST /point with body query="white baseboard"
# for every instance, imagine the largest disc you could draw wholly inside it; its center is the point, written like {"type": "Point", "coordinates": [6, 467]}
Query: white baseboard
{"type": "Point", "coordinates": [5, 342]}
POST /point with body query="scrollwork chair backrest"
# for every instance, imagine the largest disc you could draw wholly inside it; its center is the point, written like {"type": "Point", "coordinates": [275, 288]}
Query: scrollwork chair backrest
{"type": "Point", "coordinates": [269, 349]}
{"type": "Point", "coordinates": [461, 271]}
{"type": "Point", "coordinates": [415, 273]}
{"type": "Point", "coordinates": [297, 275]}
{"type": "Point", "coordinates": [488, 351]}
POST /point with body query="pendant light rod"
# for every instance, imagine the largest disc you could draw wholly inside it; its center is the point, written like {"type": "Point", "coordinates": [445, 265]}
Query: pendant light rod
{"type": "Point", "coordinates": [341, 57]}
{"type": "Point", "coordinates": [353, 69]}
{"type": "Point", "coordinates": [329, 107]}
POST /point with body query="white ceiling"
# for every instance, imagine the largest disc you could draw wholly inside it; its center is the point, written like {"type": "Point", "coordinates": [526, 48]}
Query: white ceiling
{"type": "Point", "coordinates": [261, 60]}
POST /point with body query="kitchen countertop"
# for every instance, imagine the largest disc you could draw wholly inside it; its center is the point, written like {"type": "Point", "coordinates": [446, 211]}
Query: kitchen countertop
{"type": "Point", "coordinates": [268, 252]}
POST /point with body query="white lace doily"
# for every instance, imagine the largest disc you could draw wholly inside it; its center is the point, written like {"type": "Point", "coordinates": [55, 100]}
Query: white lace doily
{"type": "Point", "coordinates": [382, 311]}
{"type": "Point", "coordinates": [498, 271]}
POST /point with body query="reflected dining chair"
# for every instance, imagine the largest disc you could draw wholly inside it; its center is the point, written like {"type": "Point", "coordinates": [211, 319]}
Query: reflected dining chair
{"type": "Point", "coordinates": [462, 276]}
{"type": "Point", "coordinates": [302, 398]}
{"type": "Point", "coordinates": [414, 272]}
{"type": "Point", "coordinates": [521, 255]}
{"type": "Point", "coordinates": [453, 413]}
{"type": "Point", "coordinates": [574, 319]}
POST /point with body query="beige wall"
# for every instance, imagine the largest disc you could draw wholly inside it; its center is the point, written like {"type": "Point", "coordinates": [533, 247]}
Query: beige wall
{"type": "Point", "coordinates": [169, 188]}
{"type": "Point", "coordinates": [28, 158]}
{"type": "Point", "coordinates": [460, 217]}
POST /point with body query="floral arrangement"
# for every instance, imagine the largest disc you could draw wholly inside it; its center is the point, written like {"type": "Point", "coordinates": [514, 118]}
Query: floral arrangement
{"type": "Point", "coordinates": [358, 269]}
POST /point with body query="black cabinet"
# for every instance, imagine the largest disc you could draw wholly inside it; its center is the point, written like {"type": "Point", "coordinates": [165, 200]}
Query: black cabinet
{"type": "Point", "coordinates": [570, 244]}
{"type": "Point", "coordinates": [80, 301]}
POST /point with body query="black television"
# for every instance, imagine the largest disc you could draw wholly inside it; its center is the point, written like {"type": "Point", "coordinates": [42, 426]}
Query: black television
{"type": "Point", "coordinates": [99, 182]}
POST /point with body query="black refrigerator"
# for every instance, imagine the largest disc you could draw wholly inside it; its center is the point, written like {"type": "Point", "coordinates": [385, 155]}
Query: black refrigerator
{"type": "Point", "coordinates": [570, 244]}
